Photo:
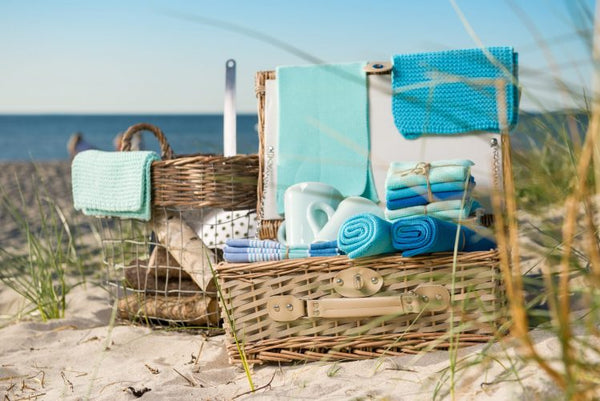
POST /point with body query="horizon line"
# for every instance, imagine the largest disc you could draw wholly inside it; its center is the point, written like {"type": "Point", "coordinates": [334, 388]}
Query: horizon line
{"type": "Point", "coordinates": [121, 113]}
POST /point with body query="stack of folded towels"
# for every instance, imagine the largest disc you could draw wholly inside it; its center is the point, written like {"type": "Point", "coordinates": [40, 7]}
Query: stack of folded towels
{"type": "Point", "coordinates": [440, 189]}
{"type": "Point", "coordinates": [250, 250]}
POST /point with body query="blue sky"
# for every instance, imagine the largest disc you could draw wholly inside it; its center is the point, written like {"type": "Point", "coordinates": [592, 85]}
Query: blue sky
{"type": "Point", "coordinates": [156, 56]}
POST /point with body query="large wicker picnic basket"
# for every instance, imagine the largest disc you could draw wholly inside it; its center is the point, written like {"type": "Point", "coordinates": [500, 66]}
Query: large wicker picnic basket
{"type": "Point", "coordinates": [336, 308]}
{"type": "Point", "coordinates": [160, 272]}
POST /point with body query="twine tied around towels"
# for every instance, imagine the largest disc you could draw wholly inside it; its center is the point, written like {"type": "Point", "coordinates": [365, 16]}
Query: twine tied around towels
{"type": "Point", "coordinates": [421, 168]}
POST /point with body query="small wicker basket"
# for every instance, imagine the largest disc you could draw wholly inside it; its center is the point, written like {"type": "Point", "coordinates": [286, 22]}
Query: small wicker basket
{"type": "Point", "coordinates": [195, 181]}
{"type": "Point", "coordinates": [161, 271]}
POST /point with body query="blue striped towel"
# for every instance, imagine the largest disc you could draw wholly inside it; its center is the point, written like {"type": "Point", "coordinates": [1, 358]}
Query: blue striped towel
{"type": "Point", "coordinates": [454, 91]}
{"type": "Point", "coordinates": [113, 183]}
{"type": "Point", "coordinates": [253, 243]}
{"type": "Point", "coordinates": [249, 250]}
{"type": "Point", "coordinates": [253, 257]}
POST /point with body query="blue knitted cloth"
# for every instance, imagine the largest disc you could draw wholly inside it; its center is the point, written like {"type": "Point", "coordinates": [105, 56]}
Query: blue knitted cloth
{"type": "Point", "coordinates": [451, 92]}
{"type": "Point", "coordinates": [113, 183]}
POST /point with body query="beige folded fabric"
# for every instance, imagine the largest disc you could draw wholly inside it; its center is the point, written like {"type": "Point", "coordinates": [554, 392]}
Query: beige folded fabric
{"type": "Point", "coordinates": [187, 249]}
{"type": "Point", "coordinates": [147, 279]}
{"type": "Point", "coordinates": [196, 309]}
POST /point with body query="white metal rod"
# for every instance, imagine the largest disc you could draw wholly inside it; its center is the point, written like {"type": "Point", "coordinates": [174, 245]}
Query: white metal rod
{"type": "Point", "coordinates": [229, 112]}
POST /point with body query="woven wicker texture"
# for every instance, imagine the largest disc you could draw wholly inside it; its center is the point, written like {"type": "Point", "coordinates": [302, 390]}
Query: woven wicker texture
{"type": "Point", "coordinates": [477, 309]}
{"type": "Point", "coordinates": [197, 181]}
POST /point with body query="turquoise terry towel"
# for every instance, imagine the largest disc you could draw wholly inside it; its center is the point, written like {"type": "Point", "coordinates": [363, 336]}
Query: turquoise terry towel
{"type": "Point", "coordinates": [409, 174]}
{"type": "Point", "coordinates": [113, 183]}
{"type": "Point", "coordinates": [401, 193]}
{"type": "Point", "coordinates": [365, 235]}
{"type": "Point", "coordinates": [426, 234]}
{"type": "Point", "coordinates": [323, 129]}
{"type": "Point", "coordinates": [454, 91]}
{"type": "Point", "coordinates": [445, 210]}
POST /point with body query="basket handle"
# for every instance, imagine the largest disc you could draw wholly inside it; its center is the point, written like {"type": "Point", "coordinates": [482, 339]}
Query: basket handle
{"type": "Point", "coordinates": [166, 153]}
{"type": "Point", "coordinates": [425, 298]}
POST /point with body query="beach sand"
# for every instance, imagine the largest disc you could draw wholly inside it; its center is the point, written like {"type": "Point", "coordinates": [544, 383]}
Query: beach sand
{"type": "Point", "coordinates": [84, 356]}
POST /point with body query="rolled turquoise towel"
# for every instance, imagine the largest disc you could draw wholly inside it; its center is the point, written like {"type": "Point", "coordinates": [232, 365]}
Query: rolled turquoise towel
{"type": "Point", "coordinates": [445, 210]}
{"type": "Point", "coordinates": [365, 235]}
{"type": "Point", "coordinates": [409, 174]}
{"type": "Point", "coordinates": [113, 183]}
{"type": "Point", "coordinates": [426, 234]}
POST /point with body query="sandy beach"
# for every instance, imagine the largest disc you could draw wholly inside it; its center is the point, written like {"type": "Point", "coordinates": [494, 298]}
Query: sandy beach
{"type": "Point", "coordinates": [87, 356]}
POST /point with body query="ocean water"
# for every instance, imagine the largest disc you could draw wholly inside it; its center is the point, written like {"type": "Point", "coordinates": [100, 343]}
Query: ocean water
{"type": "Point", "coordinates": [45, 137]}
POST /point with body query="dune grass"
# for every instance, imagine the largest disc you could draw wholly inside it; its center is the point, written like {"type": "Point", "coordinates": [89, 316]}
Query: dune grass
{"type": "Point", "coordinates": [45, 274]}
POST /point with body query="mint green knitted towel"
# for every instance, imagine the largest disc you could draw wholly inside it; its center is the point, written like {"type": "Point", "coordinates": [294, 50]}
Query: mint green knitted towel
{"type": "Point", "coordinates": [113, 183]}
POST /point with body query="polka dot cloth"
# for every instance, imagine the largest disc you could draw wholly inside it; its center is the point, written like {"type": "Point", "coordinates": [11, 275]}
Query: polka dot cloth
{"type": "Point", "coordinates": [215, 226]}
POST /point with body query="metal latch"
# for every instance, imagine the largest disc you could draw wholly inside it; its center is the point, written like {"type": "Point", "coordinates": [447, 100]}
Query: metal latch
{"type": "Point", "coordinates": [357, 282]}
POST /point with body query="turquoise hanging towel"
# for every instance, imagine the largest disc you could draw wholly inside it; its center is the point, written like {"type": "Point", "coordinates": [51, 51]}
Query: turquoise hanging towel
{"type": "Point", "coordinates": [113, 183]}
{"type": "Point", "coordinates": [323, 129]}
{"type": "Point", "coordinates": [455, 91]}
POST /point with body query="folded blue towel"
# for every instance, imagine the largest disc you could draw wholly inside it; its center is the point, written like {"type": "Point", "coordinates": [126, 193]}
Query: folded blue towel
{"type": "Point", "coordinates": [249, 250]}
{"type": "Point", "coordinates": [324, 245]}
{"type": "Point", "coordinates": [445, 210]}
{"type": "Point", "coordinates": [253, 243]}
{"type": "Point", "coordinates": [426, 234]}
{"type": "Point", "coordinates": [454, 91]}
{"type": "Point", "coordinates": [365, 235]}
{"type": "Point", "coordinates": [235, 249]}
{"type": "Point", "coordinates": [326, 248]}
{"type": "Point", "coordinates": [326, 252]}
{"type": "Point", "coordinates": [323, 129]}
{"type": "Point", "coordinates": [113, 183]}
{"type": "Point", "coordinates": [418, 200]}
{"type": "Point", "coordinates": [407, 192]}
{"type": "Point", "coordinates": [252, 257]}
{"type": "Point", "coordinates": [410, 174]}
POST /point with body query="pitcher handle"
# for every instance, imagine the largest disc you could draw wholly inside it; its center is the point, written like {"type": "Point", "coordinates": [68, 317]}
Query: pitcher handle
{"type": "Point", "coordinates": [310, 215]}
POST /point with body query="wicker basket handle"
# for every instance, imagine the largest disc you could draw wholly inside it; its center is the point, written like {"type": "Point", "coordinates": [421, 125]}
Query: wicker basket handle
{"type": "Point", "coordinates": [424, 298]}
{"type": "Point", "coordinates": [166, 153]}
